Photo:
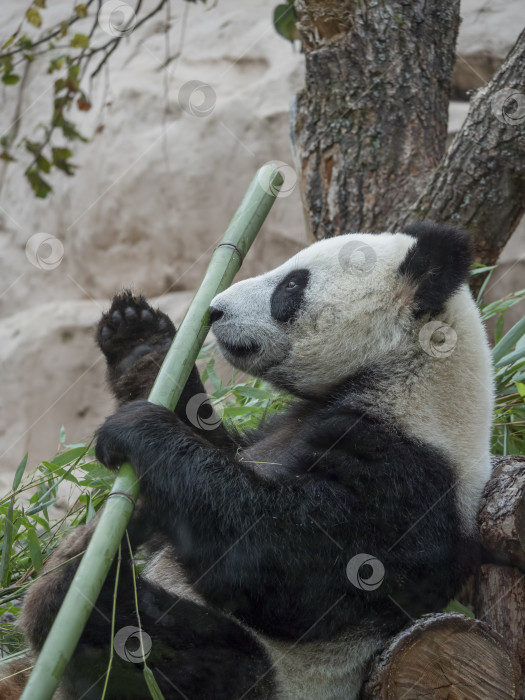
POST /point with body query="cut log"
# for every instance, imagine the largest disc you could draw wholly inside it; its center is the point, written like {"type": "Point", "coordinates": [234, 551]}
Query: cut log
{"type": "Point", "coordinates": [502, 513]}
{"type": "Point", "coordinates": [500, 602]}
{"type": "Point", "coordinates": [444, 656]}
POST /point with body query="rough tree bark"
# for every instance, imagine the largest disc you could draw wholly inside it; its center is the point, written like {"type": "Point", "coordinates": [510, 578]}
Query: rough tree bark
{"type": "Point", "coordinates": [369, 128]}
{"type": "Point", "coordinates": [499, 591]}
{"type": "Point", "coordinates": [480, 184]}
{"type": "Point", "coordinates": [500, 602]}
{"type": "Point", "coordinates": [502, 513]}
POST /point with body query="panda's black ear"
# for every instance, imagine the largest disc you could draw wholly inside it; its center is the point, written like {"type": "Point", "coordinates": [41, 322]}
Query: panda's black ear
{"type": "Point", "coordinates": [437, 265]}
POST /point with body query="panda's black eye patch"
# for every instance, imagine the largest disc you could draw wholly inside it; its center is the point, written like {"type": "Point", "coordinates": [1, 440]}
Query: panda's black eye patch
{"type": "Point", "coordinates": [288, 296]}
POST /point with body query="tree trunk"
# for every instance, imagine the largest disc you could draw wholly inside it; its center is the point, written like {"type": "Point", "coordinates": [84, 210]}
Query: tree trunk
{"type": "Point", "coordinates": [369, 128]}
{"type": "Point", "coordinates": [500, 602]}
{"type": "Point", "coordinates": [445, 656]}
{"type": "Point", "coordinates": [371, 124]}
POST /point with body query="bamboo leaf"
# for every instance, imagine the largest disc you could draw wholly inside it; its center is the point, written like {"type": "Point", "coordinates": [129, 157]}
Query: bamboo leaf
{"type": "Point", "coordinates": [509, 340]}
{"type": "Point", "coordinates": [153, 687]}
{"type": "Point", "coordinates": [6, 547]}
{"type": "Point", "coordinates": [251, 392]}
{"type": "Point", "coordinates": [34, 549]}
{"type": "Point", "coordinates": [511, 358]}
{"type": "Point", "coordinates": [498, 330]}
{"type": "Point", "coordinates": [20, 472]}
{"type": "Point", "coordinates": [72, 455]}
{"type": "Point", "coordinates": [456, 606]}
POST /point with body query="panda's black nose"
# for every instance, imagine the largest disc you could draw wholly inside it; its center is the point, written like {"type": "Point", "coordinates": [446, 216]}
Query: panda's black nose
{"type": "Point", "coordinates": [215, 314]}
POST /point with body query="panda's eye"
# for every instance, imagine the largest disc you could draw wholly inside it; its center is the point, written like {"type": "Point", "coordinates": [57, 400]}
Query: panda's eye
{"type": "Point", "coordinates": [291, 284]}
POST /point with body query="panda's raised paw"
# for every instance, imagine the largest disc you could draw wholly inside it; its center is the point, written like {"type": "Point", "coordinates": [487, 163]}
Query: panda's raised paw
{"type": "Point", "coordinates": [132, 327]}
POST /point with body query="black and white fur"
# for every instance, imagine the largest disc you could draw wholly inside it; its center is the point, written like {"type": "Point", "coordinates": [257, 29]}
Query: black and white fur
{"type": "Point", "coordinates": [385, 451]}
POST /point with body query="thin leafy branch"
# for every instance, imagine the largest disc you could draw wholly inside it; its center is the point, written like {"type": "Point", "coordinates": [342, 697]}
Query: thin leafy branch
{"type": "Point", "coordinates": [72, 58]}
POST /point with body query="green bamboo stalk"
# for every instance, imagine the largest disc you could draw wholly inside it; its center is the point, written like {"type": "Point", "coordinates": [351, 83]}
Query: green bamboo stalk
{"type": "Point", "coordinates": [87, 583]}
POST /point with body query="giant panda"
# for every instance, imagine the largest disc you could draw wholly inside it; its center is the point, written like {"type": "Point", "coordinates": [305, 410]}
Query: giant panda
{"type": "Point", "coordinates": [282, 560]}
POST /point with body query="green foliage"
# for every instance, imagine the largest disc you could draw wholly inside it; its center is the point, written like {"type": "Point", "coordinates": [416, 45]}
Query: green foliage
{"type": "Point", "coordinates": [285, 21]}
{"type": "Point", "coordinates": [241, 403]}
{"type": "Point", "coordinates": [29, 535]}
{"type": "Point", "coordinates": [508, 355]}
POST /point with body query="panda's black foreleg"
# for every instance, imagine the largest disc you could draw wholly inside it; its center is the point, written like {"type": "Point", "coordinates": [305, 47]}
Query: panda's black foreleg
{"type": "Point", "coordinates": [135, 338]}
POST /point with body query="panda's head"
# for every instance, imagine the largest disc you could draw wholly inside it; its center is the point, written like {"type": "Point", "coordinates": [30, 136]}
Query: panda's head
{"type": "Point", "coordinates": [340, 305]}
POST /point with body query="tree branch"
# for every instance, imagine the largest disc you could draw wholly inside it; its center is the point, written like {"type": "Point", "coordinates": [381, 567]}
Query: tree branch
{"type": "Point", "coordinates": [480, 184]}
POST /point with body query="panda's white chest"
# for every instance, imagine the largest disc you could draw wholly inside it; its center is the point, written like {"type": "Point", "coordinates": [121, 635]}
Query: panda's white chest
{"type": "Point", "coordinates": [321, 671]}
